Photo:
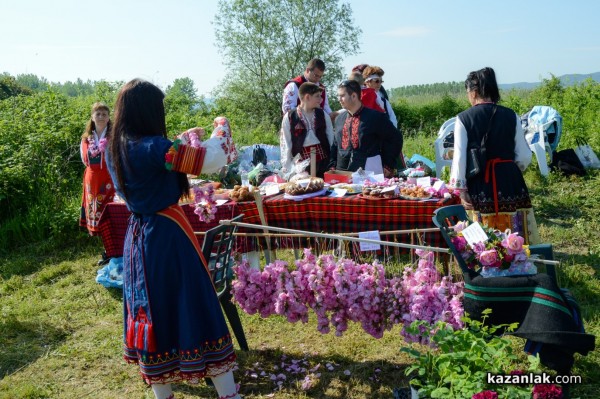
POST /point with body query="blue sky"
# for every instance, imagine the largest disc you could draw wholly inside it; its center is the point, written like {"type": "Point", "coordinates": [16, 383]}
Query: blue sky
{"type": "Point", "coordinates": [415, 42]}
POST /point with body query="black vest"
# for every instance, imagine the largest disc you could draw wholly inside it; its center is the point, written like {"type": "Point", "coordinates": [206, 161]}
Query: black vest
{"type": "Point", "coordinates": [501, 137]}
{"type": "Point", "coordinates": [299, 135]}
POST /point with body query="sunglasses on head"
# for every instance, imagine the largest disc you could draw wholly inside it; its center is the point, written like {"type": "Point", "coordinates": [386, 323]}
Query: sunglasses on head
{"type": "Point", "coordinates": [376, 81]}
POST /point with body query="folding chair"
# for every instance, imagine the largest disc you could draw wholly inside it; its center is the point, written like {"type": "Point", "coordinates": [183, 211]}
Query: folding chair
{"type": "Point", "coordinates": [548, 317]}
{"type": "Point", "coordinates": [542, 126]}
{"type": "Point", "coordinates": [217, 248]}
{"type": "Point", "coordinates": [443, 152]}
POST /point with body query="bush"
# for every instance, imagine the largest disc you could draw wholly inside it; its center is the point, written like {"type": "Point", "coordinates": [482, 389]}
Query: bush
{"type": "Point", "coordinates": [41, 172]}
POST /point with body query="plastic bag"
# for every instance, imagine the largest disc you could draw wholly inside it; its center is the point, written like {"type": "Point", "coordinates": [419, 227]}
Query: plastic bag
{"type": "Point", "coordinates": [111, 275]}
{"type": "Point", "coordinates": [361, 176]}
{"type": "Point", "coordinates": [586, 155]}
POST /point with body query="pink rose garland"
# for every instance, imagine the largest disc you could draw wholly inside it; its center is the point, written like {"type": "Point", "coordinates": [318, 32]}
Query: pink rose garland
{"type": "Point", "coordinates": [342, 291]}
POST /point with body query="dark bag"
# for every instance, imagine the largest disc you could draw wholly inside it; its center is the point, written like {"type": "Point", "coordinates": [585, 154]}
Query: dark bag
{"type": "Point", "coordinates": [259, 155]}
{"type": "Point", "coordinates": [474, 162]}
{"type": "Point", "coordinates": [567, 162]}
{"type": "Point", "coordinates": [476, 156]}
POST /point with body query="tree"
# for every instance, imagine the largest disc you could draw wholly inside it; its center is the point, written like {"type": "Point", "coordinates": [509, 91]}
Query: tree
{"type": "Point", "coordinates": [33, 82]}
{"type": "Point", "coordinates": [9, 87]}
{"type": "Point", "coordinates": [181, 94]}
{"type": "Point", "coordinates": [184, 108]}
{"type": "Point", "coordinates": [267, 42]}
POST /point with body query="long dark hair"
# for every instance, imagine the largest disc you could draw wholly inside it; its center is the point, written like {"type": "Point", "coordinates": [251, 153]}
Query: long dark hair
{"type": "Point", "coordinates": [139, 112]}
{"type": "Point", "coordinates": [483, 82]}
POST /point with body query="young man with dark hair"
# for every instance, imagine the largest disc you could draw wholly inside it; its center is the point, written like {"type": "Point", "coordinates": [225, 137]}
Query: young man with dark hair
{"type": "Point", "coordinates": [361, 133]}
{"type": "Point", "coordinates": [306, 127]}
{"type": "Point", "coordinates": [313, 73]}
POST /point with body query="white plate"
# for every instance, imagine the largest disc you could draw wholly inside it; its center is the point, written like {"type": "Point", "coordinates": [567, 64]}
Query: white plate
{"type": "Point", "coordinates": [304, 196]}
{"type": "Point", "coordinates": [350, 188]}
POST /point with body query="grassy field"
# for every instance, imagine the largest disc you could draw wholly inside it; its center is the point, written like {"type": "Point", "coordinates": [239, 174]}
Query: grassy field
{"type": "Point", "coordinates": [60, 331]}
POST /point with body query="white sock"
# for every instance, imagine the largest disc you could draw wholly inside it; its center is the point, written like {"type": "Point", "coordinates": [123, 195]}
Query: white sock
{"type": "Point", "coordinates": [162, 391]}
{"type": "Point", "coordinates": [225, 385]}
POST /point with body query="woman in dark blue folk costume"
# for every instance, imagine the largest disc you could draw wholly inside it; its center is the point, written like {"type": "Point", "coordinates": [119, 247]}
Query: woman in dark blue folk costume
{"type": "Point", "coordinates": [497, 196]}
{"type": "Point", "coordinates": [174, 327]}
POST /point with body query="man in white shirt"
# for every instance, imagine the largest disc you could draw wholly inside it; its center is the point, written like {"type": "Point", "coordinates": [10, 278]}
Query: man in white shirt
{"type": "Point", "coordinates": [313, 73]}
{"type": "Point", "coordinates": [306, 127]}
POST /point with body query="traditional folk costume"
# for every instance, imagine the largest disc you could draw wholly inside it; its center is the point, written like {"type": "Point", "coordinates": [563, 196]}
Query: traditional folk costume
{"type": "Point", "coordinates": [499, 196]}
{"type": "Point", "coordinates": [300, 133]}
{"type": "Point", "coordinates": [222, 129]}
{"type": "Point", "coordinates": [98, 188]}
{"type": "Point", "coordinates": [369, 99]}
{"type": "Point", "coordinates": [361, 135]}
{"type": "Point", "coordinates": [385, 104]}
{"type": "Point", "coordinates": [291, 95]}
{"type": "Point", "coordinates": [173, 324]}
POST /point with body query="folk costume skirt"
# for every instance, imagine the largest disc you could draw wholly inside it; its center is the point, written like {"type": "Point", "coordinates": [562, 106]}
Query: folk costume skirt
{"type": "Point", "coordinates": [98, 190]}
{"type": "Point", "coordinates": [173, 323]}
{"type": "Point", "coordinates": [500, 199]}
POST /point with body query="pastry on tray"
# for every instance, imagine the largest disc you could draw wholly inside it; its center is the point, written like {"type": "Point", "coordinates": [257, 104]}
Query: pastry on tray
{"type": "Point", "coordinates": [305, 186]}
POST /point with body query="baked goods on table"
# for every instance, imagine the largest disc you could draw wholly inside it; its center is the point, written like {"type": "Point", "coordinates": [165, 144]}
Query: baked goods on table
{"type": "Point", "coordinates": [414, 192]}
{"type": "Point", "coordinates": [380, 192]}
{"type": "Point", "coordinates": [242, 193]}
{"type": "Point", "coordinates": [305, 186]}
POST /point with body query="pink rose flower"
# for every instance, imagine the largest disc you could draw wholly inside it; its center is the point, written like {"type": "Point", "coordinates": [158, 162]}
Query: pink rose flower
{"type": "Point", "coordinates": [479, 247]}
{"type": "Point", "coordinates": [460, 226]}
{"type": "Point", "coordinates": [489, 257]}
{"type": "Point", "coordinates": [513, 243]}
{"type": "Point", "coordinates": [459, 242]}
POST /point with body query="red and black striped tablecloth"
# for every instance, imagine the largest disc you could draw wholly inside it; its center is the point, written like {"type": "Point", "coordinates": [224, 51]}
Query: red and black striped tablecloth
{"type": "Point", "coordinates": [350, 214]}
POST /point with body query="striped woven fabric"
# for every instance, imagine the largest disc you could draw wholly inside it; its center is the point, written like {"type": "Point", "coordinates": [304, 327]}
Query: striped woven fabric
{"type": "Point", "coordinates": [538, 295]}
{"type": "Point", "coordinates": [189, 159]}
{"type": "Point", "coordinates": [545, 316]}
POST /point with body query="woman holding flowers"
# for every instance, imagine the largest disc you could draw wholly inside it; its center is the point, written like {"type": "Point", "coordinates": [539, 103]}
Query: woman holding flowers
{"type": "Point", "coordinates": [497, 196]}
{"type": "Point", "coordinates": [174, 328]}
{"type": "Point", "coordinates": [98, 188]}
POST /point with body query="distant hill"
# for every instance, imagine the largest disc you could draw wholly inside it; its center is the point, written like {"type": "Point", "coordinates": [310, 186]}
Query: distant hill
{"type": "Point", "coordinates": [458, 88]}
{"type": "Point", "coordinates": [566, 80]}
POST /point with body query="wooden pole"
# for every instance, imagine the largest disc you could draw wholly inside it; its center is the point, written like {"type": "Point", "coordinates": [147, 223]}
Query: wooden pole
{"type": "Point", "coordinates": [336, 236]}
{"type": "Point", "coordinates": [263, 220]}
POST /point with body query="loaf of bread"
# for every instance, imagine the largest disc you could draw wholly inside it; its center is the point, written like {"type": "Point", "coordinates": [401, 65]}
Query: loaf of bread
{"type": "Point", "coordinates": [306, 186]}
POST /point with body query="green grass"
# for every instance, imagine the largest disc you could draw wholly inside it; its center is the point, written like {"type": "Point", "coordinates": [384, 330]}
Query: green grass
{"type": "Point", "coordinates": [60, 331]}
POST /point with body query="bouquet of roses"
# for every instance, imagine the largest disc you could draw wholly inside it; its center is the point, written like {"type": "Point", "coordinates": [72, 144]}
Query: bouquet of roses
{"type": "Point", "coordinates": [205, 205]}
{"type": "Point", "coordinates": [502, 254]}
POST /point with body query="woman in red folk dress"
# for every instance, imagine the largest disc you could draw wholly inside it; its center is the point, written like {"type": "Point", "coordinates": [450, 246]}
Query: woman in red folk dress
{"type": "Point", "coordinates": [98, 188]}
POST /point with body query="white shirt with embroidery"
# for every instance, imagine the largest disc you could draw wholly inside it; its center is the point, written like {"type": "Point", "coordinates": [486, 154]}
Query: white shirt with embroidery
{"type": "Point", "coordinates": [216, 154]}
{"type": "Point", "coordinates": [290, 99]}
{"type": "Point", "coordinates": [285, 137]}
{"type": "Point", "coordinates": [459, 161]}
